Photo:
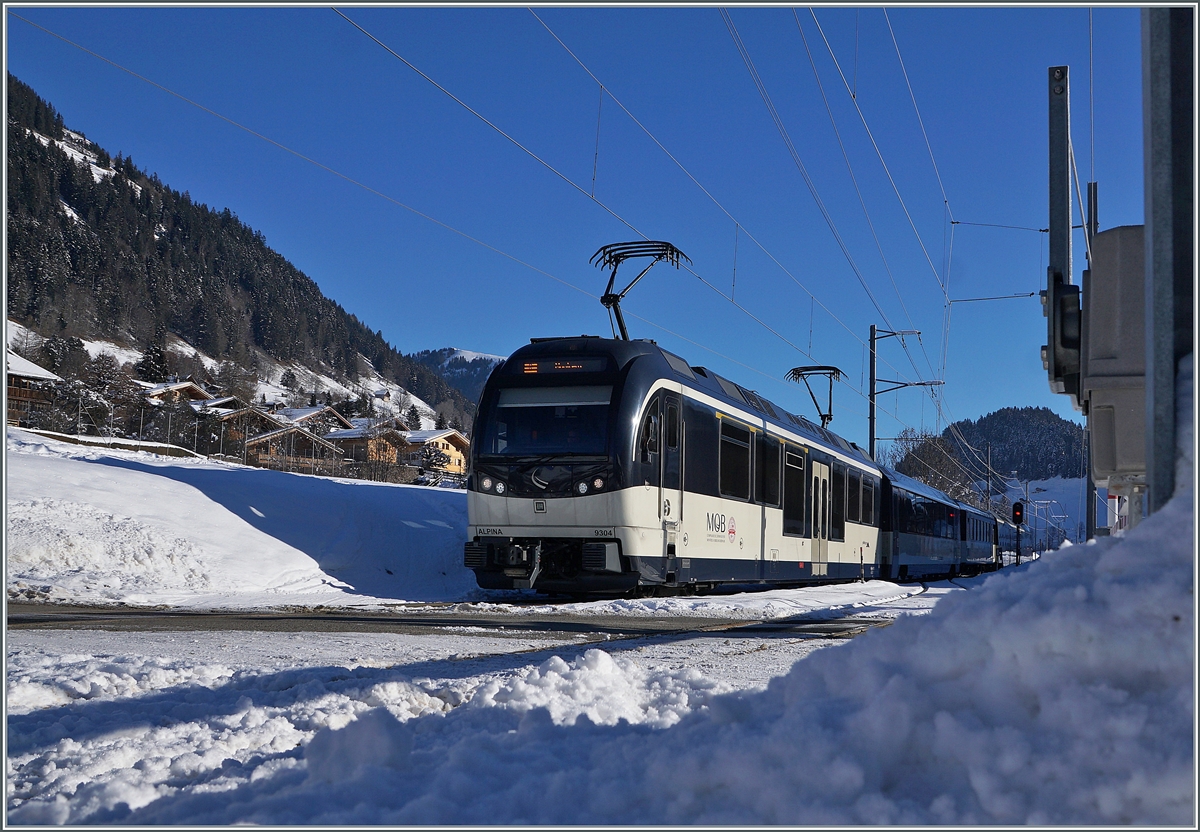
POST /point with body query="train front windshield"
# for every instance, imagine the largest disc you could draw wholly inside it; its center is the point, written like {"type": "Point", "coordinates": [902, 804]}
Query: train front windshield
{"type": "Point", "coordinates": [548, 420]}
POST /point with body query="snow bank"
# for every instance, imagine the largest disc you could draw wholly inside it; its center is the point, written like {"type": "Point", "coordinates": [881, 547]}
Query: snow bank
{"type": "Point", "coordinates": [79, 753]}
{"type": "Point", "coordinates": [1056, 693]}
{"type": "Point", "coordinates": [96, 525]}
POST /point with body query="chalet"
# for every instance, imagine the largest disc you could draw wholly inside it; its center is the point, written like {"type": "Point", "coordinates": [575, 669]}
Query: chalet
{"type": "Point", "coordinates": [26, 388]}
{"type": "Point", "coordinates": [382, 442]}
{"type": "Point", "coordinates": [319, 420]}
{"type": "Point", "coordinates": [238, 424]}
{"type": "Point", "coordinates": [171, 392]}
{"type": "Point", "coordinates": [449, 441]}
{"type": "Point", "coordinates": [292, 448]}
{"type": "Point", "coordinates": [218, 406]}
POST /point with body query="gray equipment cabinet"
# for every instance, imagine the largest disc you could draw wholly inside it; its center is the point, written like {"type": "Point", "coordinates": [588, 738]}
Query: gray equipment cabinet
{"type": "Point", "coordinates": [1113, 361]}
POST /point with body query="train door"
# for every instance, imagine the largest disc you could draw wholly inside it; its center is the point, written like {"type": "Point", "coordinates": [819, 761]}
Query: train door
{"type": "Point", "coordinates": [820, 518]}
{"type": "Point", "coordinates": [670, 491]}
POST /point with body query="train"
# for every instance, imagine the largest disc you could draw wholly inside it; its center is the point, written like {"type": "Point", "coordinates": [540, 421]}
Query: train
{"type": "Point", "coordinates": [604, 467]}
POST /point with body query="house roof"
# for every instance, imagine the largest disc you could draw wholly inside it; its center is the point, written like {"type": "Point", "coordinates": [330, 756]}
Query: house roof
{"type": "Point", "coordinates": [223, 403]}
{"type": "Point", "coordinates": [424, 437]}
{"type": "Point", "coordinates": [248, 410]}
{"type": "Point", "coordinates": [190, 387]}
{"type": "Point", "coordinates": [363, 432]}
{"type": "Point", "coordinates": [18, 366]}
{"type": "Point", "coordinates": [300, 414]}
{"type": "Point", "coordinates": [271, 434]}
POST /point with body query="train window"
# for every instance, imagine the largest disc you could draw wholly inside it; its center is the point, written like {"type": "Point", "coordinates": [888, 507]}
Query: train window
{"type": "Point", "coordinates": [793, 494]}
{"type": "Point", "coordinates": [868, 501]}
{"type": "Point", "coordinates": [837, 523]}
{"type": "Point", "coordinates": [701, 440]}
{"type": "Point", "coordinates": [904, 515]}
{"type": "Point", "coordinates": [542, 420]}
{"type": "Point", "coordinates": [735, 461]}
{"type": "Point", "coordinates": [648, 437]}
{"type": "Point", "coordinates": [767, 466]}
{"type": "Point", "coordinates": [853, 496]}
{"type": "Point", "coordinates": [672, 426]}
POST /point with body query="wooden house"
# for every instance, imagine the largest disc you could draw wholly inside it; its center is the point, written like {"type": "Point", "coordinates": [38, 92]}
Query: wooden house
{"type": "Point", "coordinates": [319, 420]}
{"type": "Point", "coordinates": [27, 388]}
{"type": "Point", "coordinates": [171, 392]}
{"type": "Point", "coordinates": [292, 448]}
{"type": "Point", "coordinates": [373, 443]}
{"type": "Point", "coordinates": [449, 441]}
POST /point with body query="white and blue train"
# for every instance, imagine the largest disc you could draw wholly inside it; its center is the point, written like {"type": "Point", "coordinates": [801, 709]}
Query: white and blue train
{"type": "Point", "coordinates": [604, 466]}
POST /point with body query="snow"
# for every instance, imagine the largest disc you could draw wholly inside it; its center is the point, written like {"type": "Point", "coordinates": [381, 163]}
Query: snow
{"type": "Point", "coordinates": [77, 155]}
{"type": "Point", "coordinates": [468, 355]}
{"type": "Point", "coordinates": [270, 370]}
{"type": "Point", "coordinates": [17, 365]}
{"type": "Point", "coordinates": [101, 525]}
{"type": "Point", "coordinates": [1060, 692]}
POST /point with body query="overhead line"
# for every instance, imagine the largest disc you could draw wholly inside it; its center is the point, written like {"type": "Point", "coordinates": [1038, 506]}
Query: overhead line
{"type": "Point", "coordinates": [917, 110]}
{"type": "Point", "coordinates": [861, 201]}
{"type": "Point", "coordinates": [787, 140]}
{"type": "Point", "coordinates": [879, 153]}
{"type": "Point", "coordinates": [489, 123]}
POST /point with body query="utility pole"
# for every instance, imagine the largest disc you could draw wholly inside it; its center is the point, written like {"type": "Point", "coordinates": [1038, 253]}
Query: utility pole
{"type": "Point", "coordinates": [877, 335]}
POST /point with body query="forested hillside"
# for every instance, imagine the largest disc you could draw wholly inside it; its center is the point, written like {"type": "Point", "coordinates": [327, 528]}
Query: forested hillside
{"type": "Point", "coordinates": [99, 248]}
{"type": "Point", "coordinates": [466, 372]}
{"type": "Point", "coordinates": [1032, 443]}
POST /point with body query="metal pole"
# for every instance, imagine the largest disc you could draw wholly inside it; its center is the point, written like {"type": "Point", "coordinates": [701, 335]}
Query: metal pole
{"type": "Point", "coordinates": [1090, 530]}
{"type": "Point", "coordinates": [871, 409]}
{"type": "Point", "coordinates": [1168, 96]}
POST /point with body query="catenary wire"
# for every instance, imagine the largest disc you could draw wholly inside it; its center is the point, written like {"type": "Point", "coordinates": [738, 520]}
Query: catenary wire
{"type": "Point", "coordinates": [787, 140]}
{"type": "Point", "coordinates": [854, 179]}
{"type": "Point", "coordinates": [879, 153]}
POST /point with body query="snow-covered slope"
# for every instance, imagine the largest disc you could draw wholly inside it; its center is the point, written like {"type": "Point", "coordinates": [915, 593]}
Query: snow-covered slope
{"type": "Point", "coordinates": [102, 526]}
{"type": "Point", "coordinates": [270, 375]}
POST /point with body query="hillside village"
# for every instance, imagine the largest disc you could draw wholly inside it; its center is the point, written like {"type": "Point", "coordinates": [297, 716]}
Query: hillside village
{"type": "Point", "coordinates": [382, 434]}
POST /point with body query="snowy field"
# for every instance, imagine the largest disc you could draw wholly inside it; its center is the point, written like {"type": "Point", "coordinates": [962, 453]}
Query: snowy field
{"type": "Point", "coordinates": [1059, 692]}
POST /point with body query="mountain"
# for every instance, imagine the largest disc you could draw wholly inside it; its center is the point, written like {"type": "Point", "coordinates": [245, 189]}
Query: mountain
{"type": "Point", "coordinates": [465, 371]}
{"type": "Point", "coordinates": [1026, 443]}
{"type": "Point", "coordinates": [99, 249]}
{"type": "Point", "coordinates": [1035, 442]}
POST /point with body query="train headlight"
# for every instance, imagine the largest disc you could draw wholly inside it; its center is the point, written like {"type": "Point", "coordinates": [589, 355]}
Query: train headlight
{"type": "Point", "coordinates": [486, 484]}
{"type": "Point", "coordinates": [581, 488]}
{"type": "Point", "coordinates": [598, 483]}
{"type": "Point", "coordinates": [500, 487]}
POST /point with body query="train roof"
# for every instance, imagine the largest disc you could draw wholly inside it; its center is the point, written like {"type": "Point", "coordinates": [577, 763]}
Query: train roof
{"type": "Point", "coordinates": [703, 378]}
{"type": "Point", "coordinates": [917, 487]}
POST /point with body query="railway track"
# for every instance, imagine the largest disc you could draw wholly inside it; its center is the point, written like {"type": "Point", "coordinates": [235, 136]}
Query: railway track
{"type": "Point", "coordinates": [421, 620]}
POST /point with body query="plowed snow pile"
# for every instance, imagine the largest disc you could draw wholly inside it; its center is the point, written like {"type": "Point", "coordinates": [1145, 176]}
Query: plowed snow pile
{"type": "Point", "coordinates": [100, 525]}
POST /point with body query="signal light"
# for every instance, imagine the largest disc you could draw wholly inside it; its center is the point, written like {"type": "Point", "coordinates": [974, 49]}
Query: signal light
{"type": "Point", "coordinates": [1018, 513]}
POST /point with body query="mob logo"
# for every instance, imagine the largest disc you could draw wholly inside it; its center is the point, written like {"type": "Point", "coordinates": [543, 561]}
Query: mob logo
{"type": "Point", "coordinates": [720, 524]}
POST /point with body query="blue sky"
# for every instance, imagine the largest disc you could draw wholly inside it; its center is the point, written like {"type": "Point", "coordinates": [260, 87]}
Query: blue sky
{"type": "Point", "coordinates": [309, 80]}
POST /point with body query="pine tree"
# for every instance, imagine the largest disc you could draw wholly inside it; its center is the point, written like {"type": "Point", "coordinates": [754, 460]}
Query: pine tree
{"type": "Point", "coordinates": [440, 422]}
{"type": "Point", "coordinates": [412, 419]}
{"type": "Point", "coordinates": [153, 364]}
